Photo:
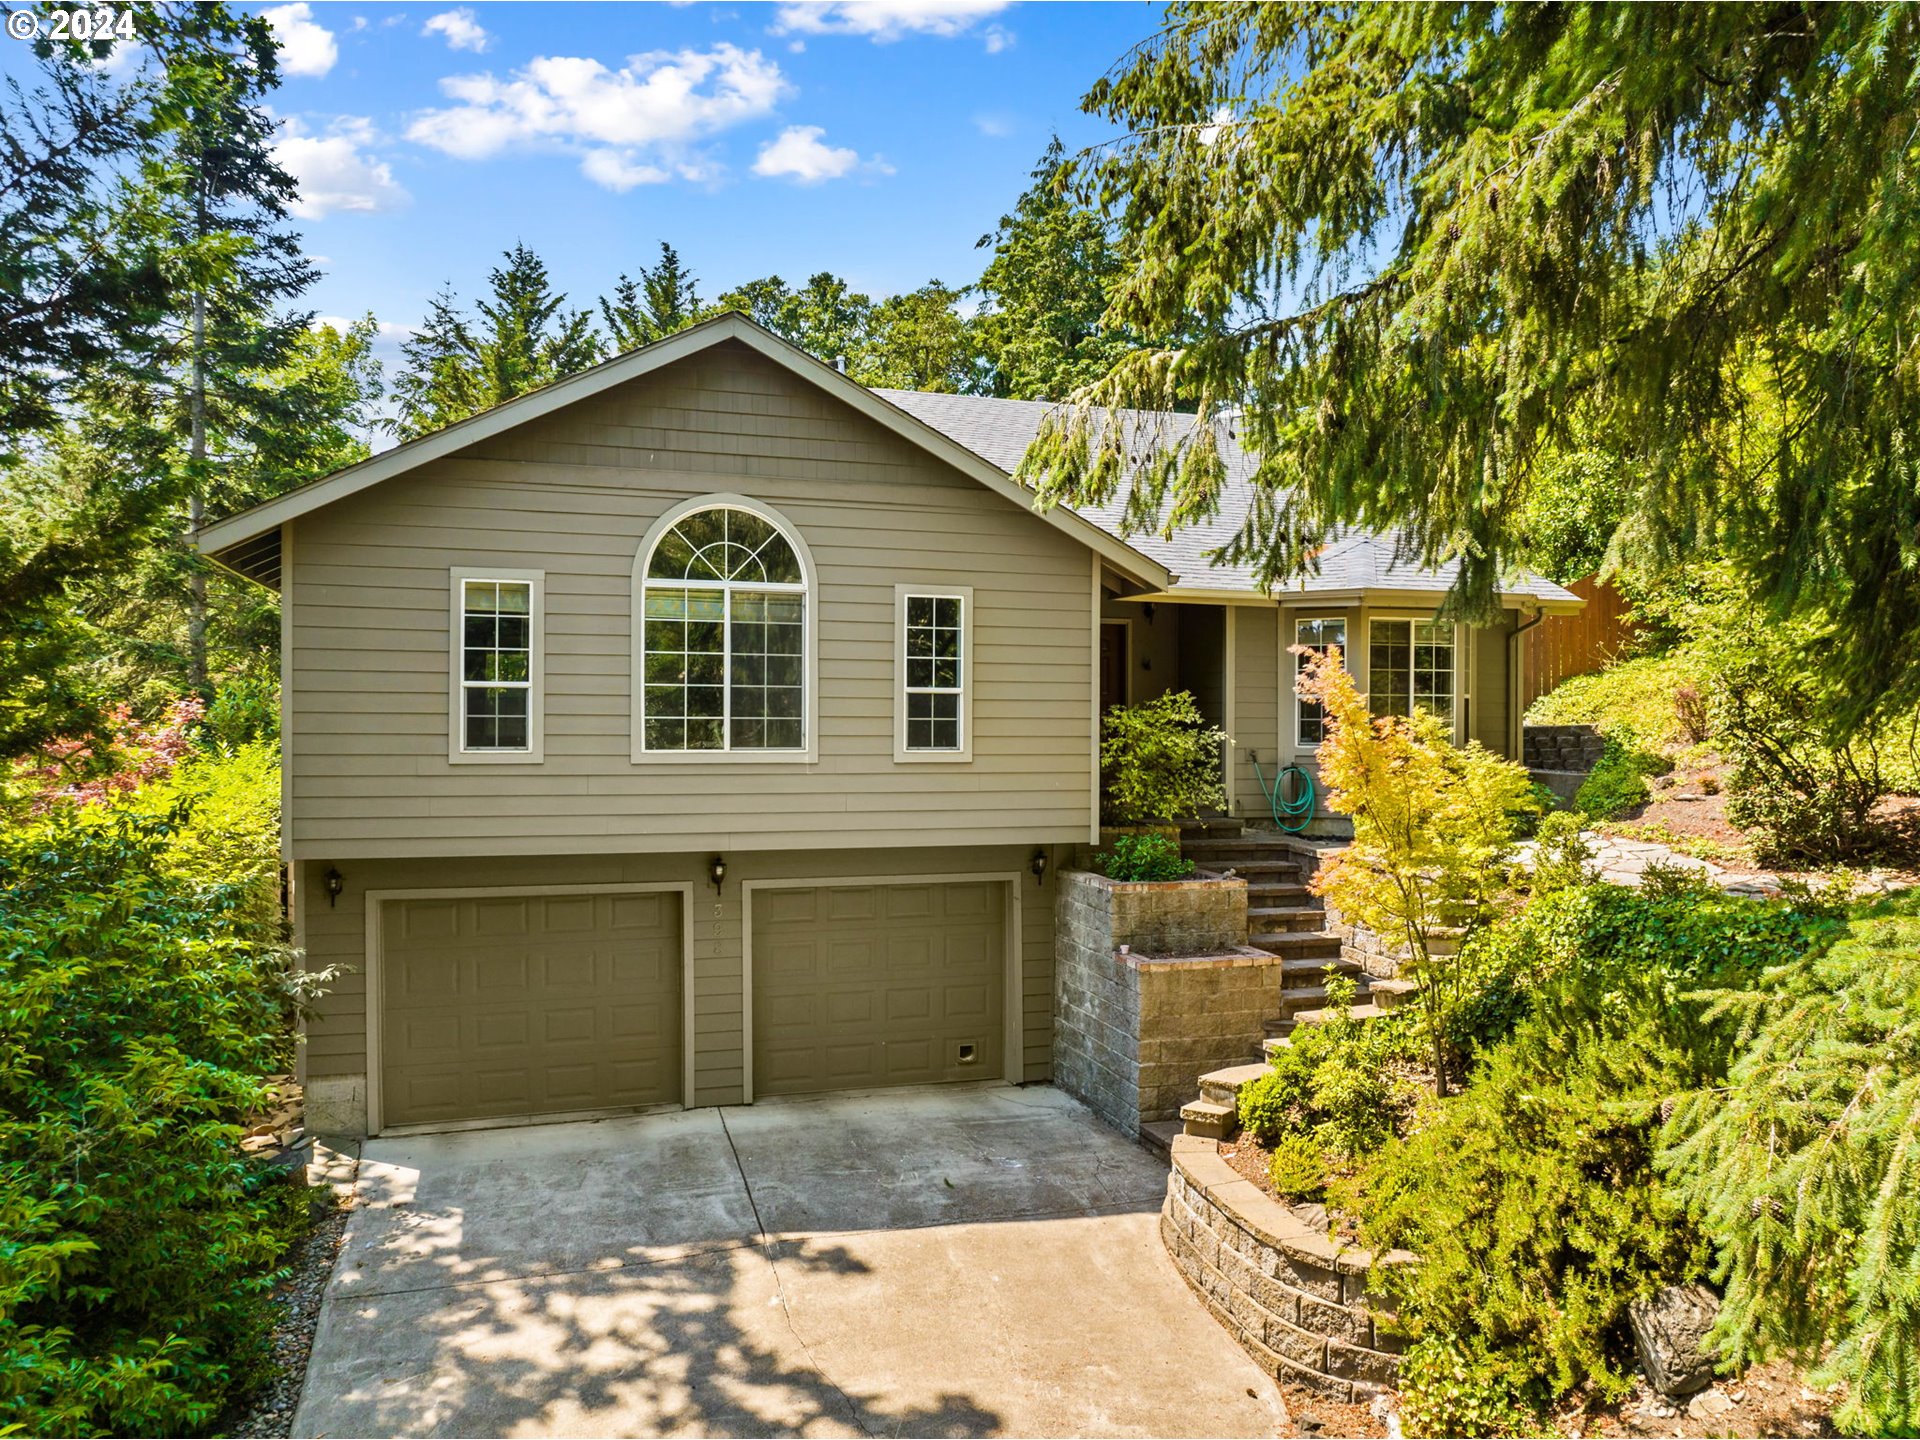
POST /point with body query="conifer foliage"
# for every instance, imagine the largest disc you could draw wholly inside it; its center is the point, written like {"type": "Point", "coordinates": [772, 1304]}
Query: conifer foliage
{"type": "Point", "coordinates": [1806, 1165]}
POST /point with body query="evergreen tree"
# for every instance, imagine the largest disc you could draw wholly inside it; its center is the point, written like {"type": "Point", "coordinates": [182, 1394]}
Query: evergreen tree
{"type": "Point", "coordinates": [522, 337]}
{"type": "Point", "coordinates": [1046, 290]}
{"type": "Point", "coordinates": [825, 318]}
{"type": "Point", "coordinates": [1422, 248]}
{"type": "Point", "coordinates": [664, 299]}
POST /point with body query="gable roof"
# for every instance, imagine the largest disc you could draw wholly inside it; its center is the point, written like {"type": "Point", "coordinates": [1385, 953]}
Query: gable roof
{"type": "Point", "coordinates": [1352, 561]}
{"type": "Point", "coordinates": [249, 541]}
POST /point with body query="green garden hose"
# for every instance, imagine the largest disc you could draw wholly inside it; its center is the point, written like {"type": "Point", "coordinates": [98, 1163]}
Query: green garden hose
{"type": "Point", "coordinates": [1292, 815]}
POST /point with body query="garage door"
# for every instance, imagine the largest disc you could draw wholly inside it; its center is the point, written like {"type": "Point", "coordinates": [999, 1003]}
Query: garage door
{"type": "Point", "coordinates": [868, 985]}
{"type": "Point", "coordinates": [528, 1005]}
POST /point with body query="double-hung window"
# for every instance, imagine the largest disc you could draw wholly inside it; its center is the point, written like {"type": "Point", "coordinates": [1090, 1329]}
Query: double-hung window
{"type": "Point", "coordinates": [1317, 635]}
{"type": "Point", "coordinates": [497, 666]}
{"type": "Point", "coordinates": [1410, 667]}
{"type": "Point", "coordinates": [723, 652]}
{"type": "Point", "coordinates": [934, 662]}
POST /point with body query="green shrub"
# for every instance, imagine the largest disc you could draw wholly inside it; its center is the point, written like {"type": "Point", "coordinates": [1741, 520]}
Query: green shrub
{"type": "Point", "coordinates": [1145, 857]}
{"type": "Point", "coordinates": [1531, 1197]}
{"type": "Point", "coordinates": [139, 1008]}
{"type": "Point", "coordinates": [1297, 1169]}
{"type": "Point", "coordinates": [1640, 695]}
{"type": "Point", "coordinates": [1618, 782]}
{"type": "Point", "coordinates": [1562, 856]}
{"type": "Point", "coordinates": [1447, 1388]}
{"type": "Point", "coordinates": [1806, 1167]}
{"type": "Point", "coordinates": [1334, 1082]}
{"type": "Point", "coordinates": [1161, 760]}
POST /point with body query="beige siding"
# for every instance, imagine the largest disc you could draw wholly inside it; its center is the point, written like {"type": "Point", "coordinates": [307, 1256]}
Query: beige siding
{"type": "Point", "coordinates": [1256, 707]}
{"type": "Point", "coordinates": [1154, 661]}
{"type": "Point", "coordinates": [573, 495]}
{"type": "Point", "coordinates": [336, 935]}
{"type": "Point", "coordinates": [1492, 689]}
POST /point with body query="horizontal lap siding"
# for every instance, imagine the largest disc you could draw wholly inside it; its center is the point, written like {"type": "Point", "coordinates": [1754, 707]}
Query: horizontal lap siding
{"type": "Point", "coordinates": [1492, 692]}
{"type": "Point", "coordinates": [335, 935]}
{"type": "Point", "coordinates": [1256, 700]}
{"type": "Point", "coordinates": [573, 495]}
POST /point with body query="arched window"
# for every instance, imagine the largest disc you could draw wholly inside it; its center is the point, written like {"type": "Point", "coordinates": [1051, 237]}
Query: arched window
{"type": "Point", "coordinates": [723, 633]}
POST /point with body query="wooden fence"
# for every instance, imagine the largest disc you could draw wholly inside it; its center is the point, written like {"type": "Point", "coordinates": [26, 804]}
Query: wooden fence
{"type": "Point", "coordinates": [1563, 646]}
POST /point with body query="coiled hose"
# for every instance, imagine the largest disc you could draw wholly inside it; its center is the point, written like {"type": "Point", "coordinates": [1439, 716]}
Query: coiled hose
{"type": "Point", "coordinates": [1292, 815]}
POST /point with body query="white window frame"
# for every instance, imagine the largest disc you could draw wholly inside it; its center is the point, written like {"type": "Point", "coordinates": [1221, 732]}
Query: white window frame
{"type": "Point", "coordinates": [536, 583]}
{"type": "Point", "coordinates": [1295, 619]}
{"type": "Point", "coordinates": [1459, 675]}
{"type": "Point", "coordinates": [809, 753]}
{"type": "Point", "coordinates": [901, 594]}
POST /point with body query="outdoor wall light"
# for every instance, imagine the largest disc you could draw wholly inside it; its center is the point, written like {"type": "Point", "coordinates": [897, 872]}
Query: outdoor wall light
{"type": "Point", "coordinates": [1039, 867]}
{"type": "Point", "coordinates": [1148, 608]}
{"type": "Point", "coordinates": [717, 872]}
{"type": "Point", "coordinates": [335, 883]}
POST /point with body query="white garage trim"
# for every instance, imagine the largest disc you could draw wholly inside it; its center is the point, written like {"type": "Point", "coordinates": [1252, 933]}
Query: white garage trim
{"type": "Point", "coordinates": [1013, 1002]}
{"type": "Point", "coordinates": [378, 898]}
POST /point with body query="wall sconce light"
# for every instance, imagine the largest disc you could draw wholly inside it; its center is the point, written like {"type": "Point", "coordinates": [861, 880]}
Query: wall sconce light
{"type": "Point", "coordinates": [335, 883]}
{"type": "Point", "coordinates": [717, 872]}
{"type": "Point", "coordinates": [1039, 867]}
{"type": "Point", "coordinates": [1147, 610]}
{"type": "Point", "coordinates": [1146, 662]}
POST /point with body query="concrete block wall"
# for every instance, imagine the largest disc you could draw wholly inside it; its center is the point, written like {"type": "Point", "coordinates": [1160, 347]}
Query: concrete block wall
{"type": "Point", "coordinates": [1561, 747]}
{"type": "Point", "coordinates": [1303, 1306]}
{"type": "Point", "coordinates": [1133, 1031]}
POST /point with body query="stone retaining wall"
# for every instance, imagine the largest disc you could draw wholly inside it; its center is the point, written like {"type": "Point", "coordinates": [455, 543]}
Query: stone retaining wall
{"type": "Point", "coordinates": [1297, 1301]}
{"type": "Point", "coordinates": [1561, 747]}
{"type": "Point", "coordinates": [1132, 1031]}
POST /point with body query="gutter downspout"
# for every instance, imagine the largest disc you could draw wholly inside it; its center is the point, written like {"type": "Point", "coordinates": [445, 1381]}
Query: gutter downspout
{"type": "Point", "coordinates": [1516, 736]}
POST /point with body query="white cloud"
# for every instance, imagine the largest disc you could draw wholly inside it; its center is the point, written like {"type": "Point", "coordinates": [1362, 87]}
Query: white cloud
{"type": "Point", "coordinates": [333, 171]}
{"type": "Point", "coordinates": [633, 126]}
{"type": "Point", "coordinates": [998, 38]}
{"type": "Point", "coordinates": [618, 171]}
{"type": "Point", "coordinates": [461, 30]}
{"type": "Point", "coordinates": [799, 154]}
{"type": "Point", "coordinates": [883, 21]}
{"type": "Point", "coordinates": [994, 124]}
{"type": "Point", "coordinates": [306, 48]}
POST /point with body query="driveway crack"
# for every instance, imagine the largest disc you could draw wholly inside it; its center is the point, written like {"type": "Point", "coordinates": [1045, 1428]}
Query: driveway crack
{"type": "Point", "coordinates": [765, 1244]}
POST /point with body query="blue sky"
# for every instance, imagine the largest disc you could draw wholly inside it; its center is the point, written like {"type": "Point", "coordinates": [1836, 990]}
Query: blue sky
{"type": "Point", "coordinates": [877, 140]}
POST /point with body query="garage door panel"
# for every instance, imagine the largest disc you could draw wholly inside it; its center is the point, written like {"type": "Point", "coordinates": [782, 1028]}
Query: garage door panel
{"type": "Point", "coordinates": [874, 985]}
{"type": "Point", "coordinates": [497, 1006]}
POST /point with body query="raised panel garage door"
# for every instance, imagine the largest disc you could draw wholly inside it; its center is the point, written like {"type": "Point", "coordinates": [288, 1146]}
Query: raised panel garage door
{"type": "Point", "coordinates": [523, 1005]}
{"type": "Point", "coordinates": [857, 986]}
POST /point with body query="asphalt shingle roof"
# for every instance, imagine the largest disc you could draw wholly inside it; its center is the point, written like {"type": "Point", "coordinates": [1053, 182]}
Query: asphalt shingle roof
{"type": "Point", "coordinates": [999, 431]}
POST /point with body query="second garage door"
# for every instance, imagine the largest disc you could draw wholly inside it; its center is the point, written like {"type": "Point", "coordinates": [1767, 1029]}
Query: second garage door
{"type": "Point", "coordinates": [511, 1005]}
{"type": "Point", "coordinates": [857, 986]}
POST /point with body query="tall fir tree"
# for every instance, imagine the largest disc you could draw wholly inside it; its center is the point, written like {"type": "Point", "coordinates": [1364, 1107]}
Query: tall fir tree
{"type": "Point", "coordinates": [664, 299]}
{"type": "Point", "coordinates": [521, 337]}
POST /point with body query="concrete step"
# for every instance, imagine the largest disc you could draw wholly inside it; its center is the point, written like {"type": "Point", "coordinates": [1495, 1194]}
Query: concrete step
{"type": "Point", "coordinates": [1295, 942]}
{"type": "Point", "coordinates": [1250, 869]}
{"type": "Point", "coordinates": [1208, 1118]}
{"type": "Point", "coordinates": [1224, 1085]}
{"type": "Point", "coordinates": [1311, 969]}
{"type": "Point", "coordinates": [1296, 998]}
{"type": "Point", "coordinates": [1393, 994]}
{"type": "Point", "coordinates": [1280, 892]}
{"type": "Point", "coordinates": [1285, 917]}
{"type": "Point", "coordinates": [1320, 1017]}
{"type": "Point", "coordinates": [1254, 847]}
{"type": "Point", "coordinates": [1274, 1044]}
{"type": "Point", "coordinates": [1207, 825]}
{"type": "Point", "coordinates": [1157, 1135]}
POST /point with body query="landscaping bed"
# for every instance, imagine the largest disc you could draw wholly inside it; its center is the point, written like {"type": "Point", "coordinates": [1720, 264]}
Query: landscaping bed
{"type": "Point", "coordinates": [268, 1411]}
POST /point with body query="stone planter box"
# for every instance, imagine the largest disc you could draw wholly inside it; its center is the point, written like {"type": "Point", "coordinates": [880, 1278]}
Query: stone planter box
{"type": "Point", "coordinates": [1154, 985]}
{"type": "Point", "coordinates": [1299, 1302]}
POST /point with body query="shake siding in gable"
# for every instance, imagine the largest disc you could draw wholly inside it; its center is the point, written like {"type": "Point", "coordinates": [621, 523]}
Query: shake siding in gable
{"type": "Point", "coordinates": [573, 495]}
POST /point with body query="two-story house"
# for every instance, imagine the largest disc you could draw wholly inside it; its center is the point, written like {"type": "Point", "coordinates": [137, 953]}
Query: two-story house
{"type": "Point", "coordinates": [707, 726]}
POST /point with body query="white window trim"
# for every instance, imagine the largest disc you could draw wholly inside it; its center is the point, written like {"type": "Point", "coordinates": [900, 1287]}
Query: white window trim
{"type": "Point", "coordinates": [809, 753]}
{"type": "Point", "coordinates": [1367, 617]}
{"type": "Point", "coordinates": [1290, 637]}
{"type": "Point", "coordinates": [536, 583]}
{"type": "Point", "coordinates": [901, 754]}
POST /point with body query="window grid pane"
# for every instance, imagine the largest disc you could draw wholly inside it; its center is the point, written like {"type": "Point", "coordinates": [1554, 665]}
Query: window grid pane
{"type": "Point", "coordinates": [1318, 636]}
{"type": "Point", "coordinates": [496, 664]}
{"type": "Point", "coordinates": [934, 667]}
{"type": "Point", "coordinates": [723, 668]}
{"type": "Point", "coordinates": [1410, 667]}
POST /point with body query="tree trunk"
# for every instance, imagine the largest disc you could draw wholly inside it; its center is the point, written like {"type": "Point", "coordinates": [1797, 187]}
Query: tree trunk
{"type": "Point", "coordinates": [196, 504]}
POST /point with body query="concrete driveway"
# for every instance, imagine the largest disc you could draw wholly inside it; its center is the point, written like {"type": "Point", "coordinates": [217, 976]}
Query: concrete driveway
{"type": "Point", "coordinates": [975, 1261]}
